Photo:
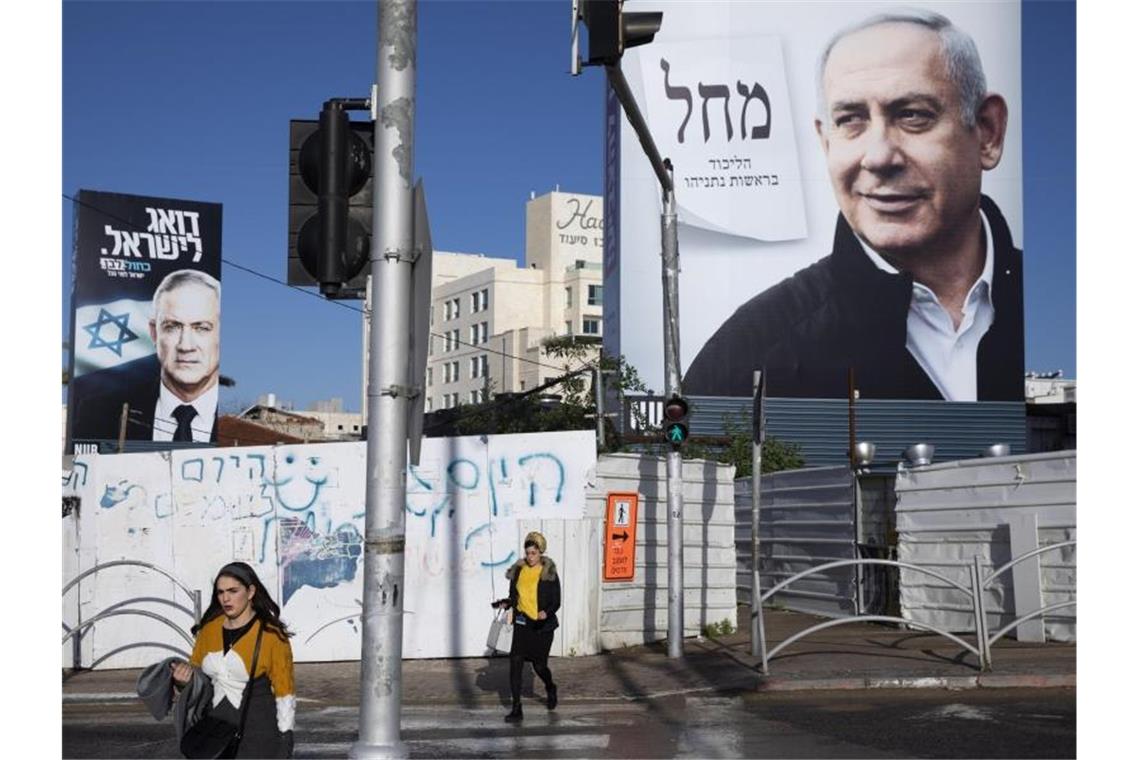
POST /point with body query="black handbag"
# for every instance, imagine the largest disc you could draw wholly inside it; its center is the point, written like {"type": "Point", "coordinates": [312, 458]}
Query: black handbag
{"type": "Point", "coordinates": [215, 738]}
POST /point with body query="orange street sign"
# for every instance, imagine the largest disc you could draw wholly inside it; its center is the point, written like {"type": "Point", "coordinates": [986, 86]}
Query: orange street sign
{"type": "Point", "coordinates": [621, 536]}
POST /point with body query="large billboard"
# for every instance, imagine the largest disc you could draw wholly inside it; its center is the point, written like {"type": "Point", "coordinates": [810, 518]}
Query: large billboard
{"type": "Point", "coordinates": [849, 216]}
{"type": "Point", "coordinates": [146, 320]}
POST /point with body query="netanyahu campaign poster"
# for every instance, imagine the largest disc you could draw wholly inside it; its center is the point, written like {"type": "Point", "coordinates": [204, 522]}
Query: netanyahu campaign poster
{"type": "Point", "coordinates": [848, 186]}
{"type": "Point", "coordinates": [146, 320]}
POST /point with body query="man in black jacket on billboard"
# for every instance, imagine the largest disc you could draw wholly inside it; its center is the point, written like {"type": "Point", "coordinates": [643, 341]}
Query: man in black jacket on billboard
{"type": "Point", "coordinates": [922, 293]}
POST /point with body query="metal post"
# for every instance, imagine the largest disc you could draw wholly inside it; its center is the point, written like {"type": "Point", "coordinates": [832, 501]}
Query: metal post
{"type": "Point", "coordinates": [980, 616]}
{"type": "Point", "coordinates": [669, 272]}
{"type": "Point", "coordinates": [123, 426]}
{"type": "Point", "coordinates": [600, 404]}
{"type": "Point", "coordinates": [675, 481]}
{"type": "Point", "coordinates": [757, 456]}
{"type": "Point", "coordinates": [388, 392]}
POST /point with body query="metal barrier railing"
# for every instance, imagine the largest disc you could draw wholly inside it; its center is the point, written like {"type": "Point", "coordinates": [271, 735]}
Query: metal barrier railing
{"type": "Point", "coordinates": [975, 590]}
{"type": "Point", "coordinates": [77, 632]}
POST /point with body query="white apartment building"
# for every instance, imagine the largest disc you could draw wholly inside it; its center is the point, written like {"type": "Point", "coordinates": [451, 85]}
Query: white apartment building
{"type": "Point", "coordinates": [489, 315]}
{"type": "Point", "coordinates": [1049, 388]}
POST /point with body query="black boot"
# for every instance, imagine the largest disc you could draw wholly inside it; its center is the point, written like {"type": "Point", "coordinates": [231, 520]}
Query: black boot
{"type": "Point", "coordinates": [515, 715]}
{"type": "Point", "coordinates": [551, 697]}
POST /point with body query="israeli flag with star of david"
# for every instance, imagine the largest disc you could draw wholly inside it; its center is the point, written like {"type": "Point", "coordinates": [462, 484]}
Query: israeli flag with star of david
{"type": "Point", "coordinates": [110, 334]}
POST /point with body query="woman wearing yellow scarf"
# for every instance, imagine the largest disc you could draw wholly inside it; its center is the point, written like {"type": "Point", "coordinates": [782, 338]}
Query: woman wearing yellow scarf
{"type": "Point", "coordinates": [535, 595]}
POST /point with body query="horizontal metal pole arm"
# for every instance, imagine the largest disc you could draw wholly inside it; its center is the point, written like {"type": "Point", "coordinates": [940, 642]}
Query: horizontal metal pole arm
{"type": "Point", "coordinates": [115, 613]}
{"type": "Point", "coordinates": [136, 563]}
{"type": "Point", "coordinates": [869, 561]}
{"type": "Point", "coordinates": [637, 121]}
{"type": "Point", "coordinates": [873, 619]}
{"type": "Point", "coordinates": [1027, 555]}
{"type": "Point", "coordinates": [1035, 613]}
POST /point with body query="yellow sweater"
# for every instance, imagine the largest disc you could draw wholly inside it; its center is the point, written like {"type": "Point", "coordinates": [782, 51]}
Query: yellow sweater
{"type": "Point", "coordinates": [528, 590]}
{"type": "Point", "coordinates": [229, 672]}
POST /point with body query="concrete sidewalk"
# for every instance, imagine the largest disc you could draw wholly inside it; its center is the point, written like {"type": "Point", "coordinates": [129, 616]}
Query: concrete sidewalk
{"type": "Point", "coordinates": [851, 656]}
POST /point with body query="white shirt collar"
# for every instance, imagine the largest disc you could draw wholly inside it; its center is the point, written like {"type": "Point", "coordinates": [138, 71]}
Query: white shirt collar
{"type": "Point", "coordinates": [949, 356]}
{"type": "Point", "coordinates": [203, 423]}
{"type": "Point", "coordinates": [987, 275]}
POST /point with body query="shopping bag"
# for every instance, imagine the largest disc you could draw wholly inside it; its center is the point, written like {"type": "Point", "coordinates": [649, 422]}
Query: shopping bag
{"type": "Point", "coordinates": [501, 633]}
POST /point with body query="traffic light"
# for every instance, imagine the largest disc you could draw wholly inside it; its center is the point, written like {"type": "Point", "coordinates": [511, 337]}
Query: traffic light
{"type": "Point", "coordinates": [330, 200]}
{"type": "Point", "coordinates": [612, 32]}
{"type": "Point", "coordinates": [676, 414]}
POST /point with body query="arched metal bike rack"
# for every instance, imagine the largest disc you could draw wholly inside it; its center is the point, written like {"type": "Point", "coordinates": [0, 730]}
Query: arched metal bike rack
{"type": "Point", "coordinates": [78, 631]}
{"type": "Point", "coordinates": [765, 654]}
{"type": "Point", "coordinates": [978, 584]}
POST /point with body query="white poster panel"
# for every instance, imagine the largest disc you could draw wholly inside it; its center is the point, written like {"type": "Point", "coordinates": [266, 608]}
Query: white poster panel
{"type": "Point", "coordinates": [296, 514]}
{"type": "Point", "coordinates": [718, 74]}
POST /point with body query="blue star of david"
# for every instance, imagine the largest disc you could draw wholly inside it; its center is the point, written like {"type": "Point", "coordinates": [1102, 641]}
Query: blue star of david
{"type": "Point", "coordinates": [95, 329]}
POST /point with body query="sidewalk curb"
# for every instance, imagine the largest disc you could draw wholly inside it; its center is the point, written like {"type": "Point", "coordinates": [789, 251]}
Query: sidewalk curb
{"type": "Point", "coordinates": [981, 681]}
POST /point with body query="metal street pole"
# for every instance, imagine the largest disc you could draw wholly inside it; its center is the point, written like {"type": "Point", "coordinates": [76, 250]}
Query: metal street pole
{"type": "Point", "coordinates": [391, 260]}
{"type": "Point", "coordinates": [674, 478]}
{"type": "Point", "coordinates": [599, 404]}
{"type": "Point", "coordinates": [670, 257]}
{"type": "Point", "coordinates": [757, 628]}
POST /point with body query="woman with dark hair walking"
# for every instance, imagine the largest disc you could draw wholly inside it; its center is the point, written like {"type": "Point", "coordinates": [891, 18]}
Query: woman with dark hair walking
{"type": "Point", "coordinates": [535, 595]}
{"type": "Point", "coordinates": [241, 631]}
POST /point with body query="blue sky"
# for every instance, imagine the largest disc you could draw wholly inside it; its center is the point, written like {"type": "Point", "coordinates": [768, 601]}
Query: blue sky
{"type": "Point", "coordinates": [192, 100]}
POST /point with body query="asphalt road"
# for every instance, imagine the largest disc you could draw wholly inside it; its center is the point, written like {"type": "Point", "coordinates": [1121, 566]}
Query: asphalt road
{"type": "Point", "coordinates": [977, 723]}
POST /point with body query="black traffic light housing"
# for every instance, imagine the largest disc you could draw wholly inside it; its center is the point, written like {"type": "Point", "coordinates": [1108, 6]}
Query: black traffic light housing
{"type": "Point", "coordinates": [330, 200]}
{"type": "Point", "coordinates": [675, 421]}
{"type": "Point", "coordinates": [612, 32]}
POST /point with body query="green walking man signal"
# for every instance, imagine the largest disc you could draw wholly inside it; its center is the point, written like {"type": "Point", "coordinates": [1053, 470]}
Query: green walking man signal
{"type": "Point", "coordinates": [676, 418]}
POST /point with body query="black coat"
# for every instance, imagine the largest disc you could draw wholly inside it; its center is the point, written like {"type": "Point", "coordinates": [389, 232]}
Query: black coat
{"type": "Point", "coordinates": [843, 311]}
{"type": "Point", "coordinates": [98, 399]}
{"type": "Point", "coordinates": [549, 593]}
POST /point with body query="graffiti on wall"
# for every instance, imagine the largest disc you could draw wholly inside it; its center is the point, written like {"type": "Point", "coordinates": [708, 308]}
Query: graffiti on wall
{"type": "Point", "coordinates": [296, 513]}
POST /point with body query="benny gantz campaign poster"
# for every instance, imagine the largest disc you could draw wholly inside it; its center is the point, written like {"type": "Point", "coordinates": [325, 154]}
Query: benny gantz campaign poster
{"type": "Point", "coordinates": [848, 192]}
{"type": "Point", "coordinates": [146, 319]}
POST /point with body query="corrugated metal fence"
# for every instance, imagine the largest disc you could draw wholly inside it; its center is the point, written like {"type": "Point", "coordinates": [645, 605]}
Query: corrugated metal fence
{"type": "Point", "coordinates": [820, 426]}
{"type": "Point", "coordinates": [807, 518]}
{"type": "Point", "coordinates": [997, 509]}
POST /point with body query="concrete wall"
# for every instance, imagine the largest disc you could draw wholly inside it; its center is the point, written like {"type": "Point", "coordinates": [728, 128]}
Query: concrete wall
{"type": "Point", "coordinates": [296, 513]}
{"type": "Point", "coordinates": [997, 509]}
{"type": "Point", "coordinates": [636, 612]}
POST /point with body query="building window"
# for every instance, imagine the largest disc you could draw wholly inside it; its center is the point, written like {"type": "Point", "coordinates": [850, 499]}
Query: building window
{"type": "Point", "coordinates": [455, 399]}
{"type": "Point", "coordinates": [429, 373]}
{"type": "Point", "coordinates": [474, 367]}
{"type": "Point", "coordinates": [594, 298]}
{"type": "Point", "coordinates": [569, 297]}
{"type": "Point", "coordinates": [591, 326]}
{"type": "Point", "coordinates": [457, 310]}
{"type": "Point", "coordinates": [483, 366]}
{"type": "Point", "coordinates": [475, 397]}
{"type": "Point", "coordinates": [431, 345]}
{"type": "Point", "coordinates": [431, 315]}
{"type": "Point", "coordinates": [474, 334]}
{"type": "Point", "coordinates": [427, 404]}
{"type": "Point", "coordinates": [455, 370]}
{"type": "Point", "coordinates": [483, 332]}
{"type": "Point", "coordinates": [479, 366]}
{"type": "Point", "coordinates": [479, 301]}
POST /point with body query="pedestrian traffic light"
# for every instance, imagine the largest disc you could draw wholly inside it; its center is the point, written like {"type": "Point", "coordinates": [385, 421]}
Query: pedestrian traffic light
{"type": "Point", "coordinates": [676, 414]}
{"type": "Point", "coordinates": [612, 32]}
{"type": "Point", "coordinates": [330, 200]}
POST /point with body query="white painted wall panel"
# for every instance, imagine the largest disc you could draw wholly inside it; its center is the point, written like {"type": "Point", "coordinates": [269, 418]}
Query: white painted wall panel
{"type": "Point", "coordinates": [296, 513]}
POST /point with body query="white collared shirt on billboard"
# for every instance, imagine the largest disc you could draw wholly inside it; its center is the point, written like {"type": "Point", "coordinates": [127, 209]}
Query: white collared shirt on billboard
{"type": "Point", "coordinates": [110, 334]}
{"type": "Point", "coordinates": [719, 109]}
{"type": "Point", "coordinates": [948, 356]}
{"type": "Point", "coordinates": [201, 426]}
